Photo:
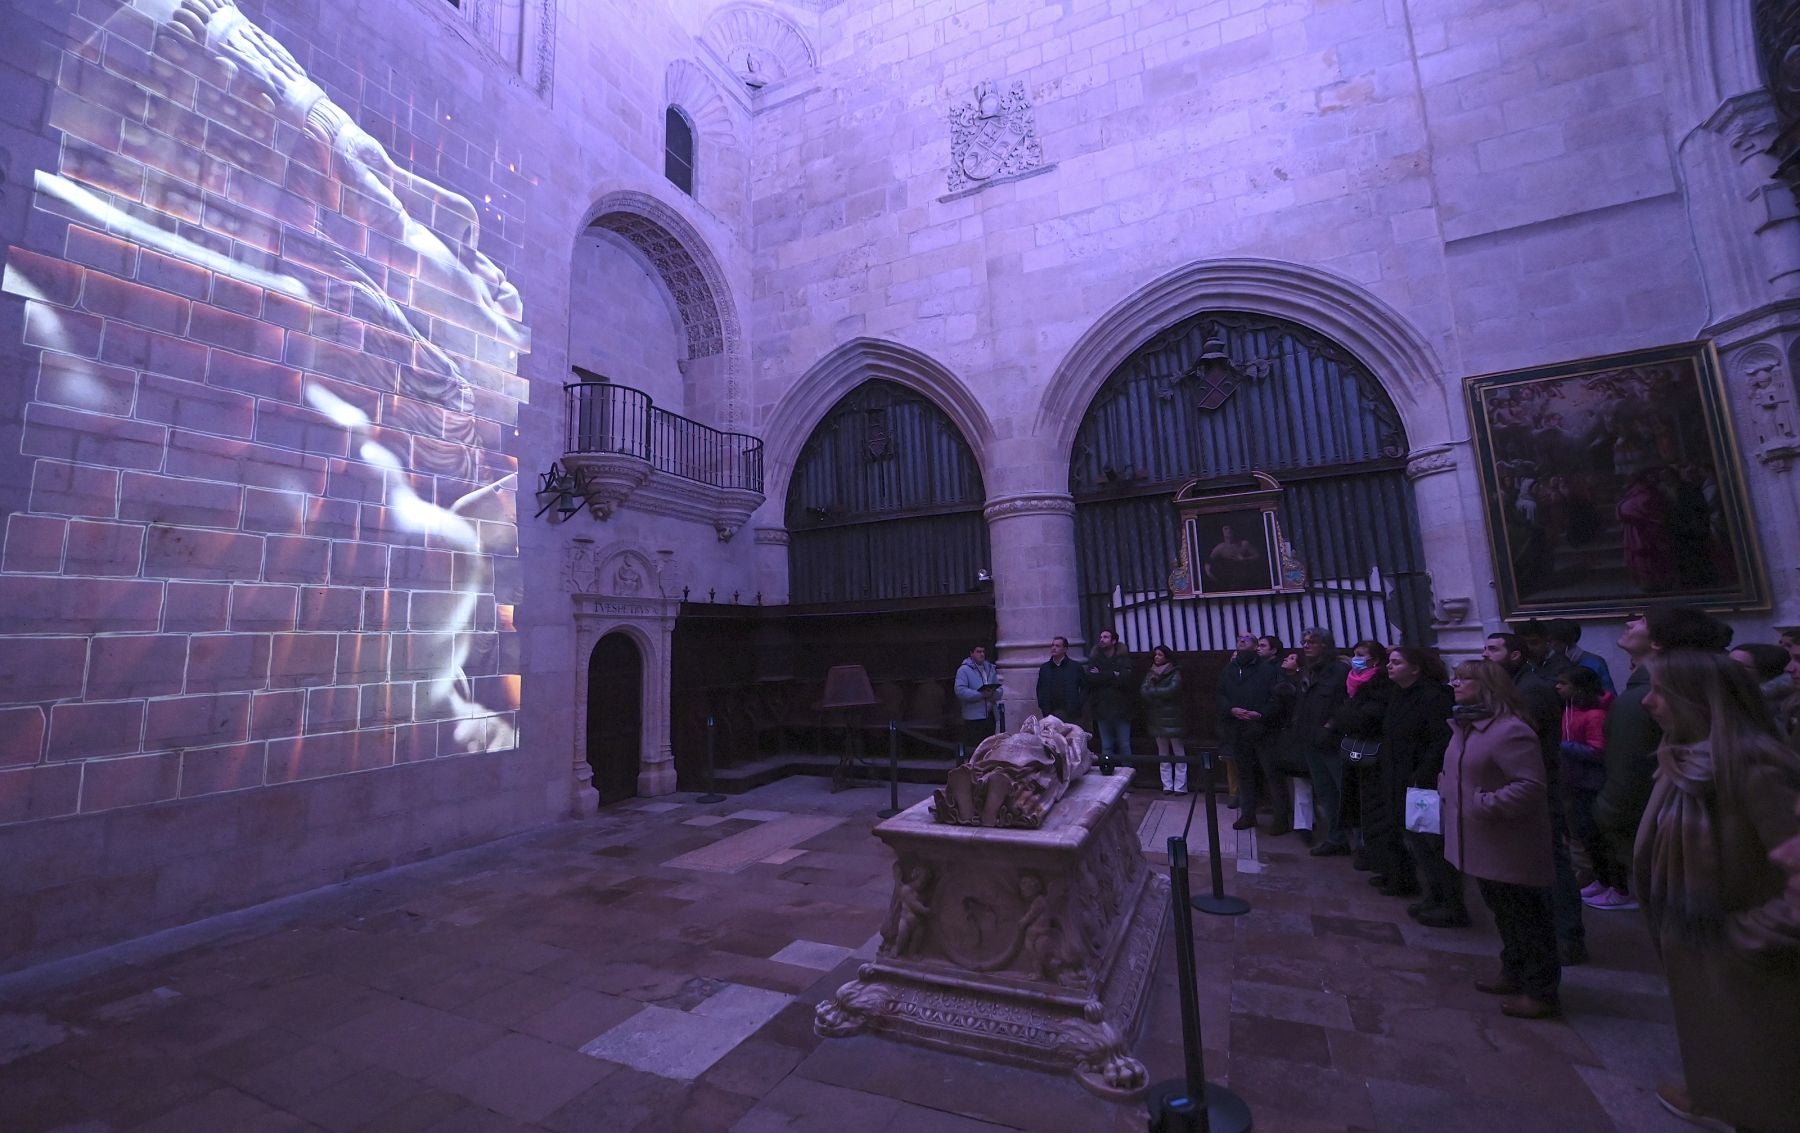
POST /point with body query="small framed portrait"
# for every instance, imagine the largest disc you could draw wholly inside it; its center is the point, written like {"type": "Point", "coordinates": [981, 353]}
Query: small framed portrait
{"type": "Point", "coordinates": [1613, 481]}
{"type": "Point", "coordinates": [1231, 543]}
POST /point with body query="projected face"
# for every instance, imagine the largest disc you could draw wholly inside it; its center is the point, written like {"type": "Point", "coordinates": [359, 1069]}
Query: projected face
{"type": "Point", "coordinates": [392, 318]}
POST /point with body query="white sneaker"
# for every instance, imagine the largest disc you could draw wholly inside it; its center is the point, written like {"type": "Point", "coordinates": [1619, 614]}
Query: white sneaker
{"type": "Point", "coordinates": [1592, 889]}
{"type": "Point", "coordinates": [1610, 899]}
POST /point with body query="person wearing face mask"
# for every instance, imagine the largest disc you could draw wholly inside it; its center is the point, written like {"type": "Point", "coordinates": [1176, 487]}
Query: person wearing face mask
{"type": "Point", "coordinates": [1244, 698]}
{"type": "Point", "coordinates": [1358, 721]}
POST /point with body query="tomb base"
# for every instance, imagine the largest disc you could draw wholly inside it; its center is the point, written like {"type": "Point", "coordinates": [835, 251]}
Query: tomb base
{"type": "Point", "coordinates": [1033, 947]}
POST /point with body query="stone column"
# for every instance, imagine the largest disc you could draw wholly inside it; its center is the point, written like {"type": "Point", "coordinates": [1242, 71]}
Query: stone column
{"type": "Point", "coordinates": [1032, 539]}
{"type": "Point", "coordinates": [1447, 498]}
{"type": "Point", "coordinates": [1761, 393]}
{"type": "Point", "coordinates": [1747, 230]}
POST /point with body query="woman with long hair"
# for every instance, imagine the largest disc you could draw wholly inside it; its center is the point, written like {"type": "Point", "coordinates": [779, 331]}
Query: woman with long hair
{"type": "Point", "coordinates": [1496, 818]}
{"type": "Point", "coordinates": [1417, 730]}
{"type": "Point", "coordinates": [1723, 922]}
{"type": "Point", "coordinates": [1164, 718]}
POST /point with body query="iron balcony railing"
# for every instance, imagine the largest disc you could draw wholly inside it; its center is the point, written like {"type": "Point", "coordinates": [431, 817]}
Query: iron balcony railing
{"type": "Point", "coordinates": [604, 417]}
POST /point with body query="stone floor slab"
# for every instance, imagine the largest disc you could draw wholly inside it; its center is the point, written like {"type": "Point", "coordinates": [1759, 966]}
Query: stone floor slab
{"type": "Point", "coordinates": [456, 995]}
{"type": "Point", "coordinates": [734, 852]}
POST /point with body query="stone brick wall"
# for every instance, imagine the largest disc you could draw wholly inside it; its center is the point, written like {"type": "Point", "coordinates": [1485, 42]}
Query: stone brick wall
{"type": "Point", "coordinates": [263, 572]}
{"type": "Point", "coordinates": [1379, 141]}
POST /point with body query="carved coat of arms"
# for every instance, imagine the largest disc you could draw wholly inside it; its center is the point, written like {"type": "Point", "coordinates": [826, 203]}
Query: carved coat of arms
{"type": "Point", "coordinates": [994, 136]}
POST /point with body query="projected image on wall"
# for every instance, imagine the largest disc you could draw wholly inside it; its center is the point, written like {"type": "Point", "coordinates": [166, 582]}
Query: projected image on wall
{"type": "Point", "coordinates": [276, 370]}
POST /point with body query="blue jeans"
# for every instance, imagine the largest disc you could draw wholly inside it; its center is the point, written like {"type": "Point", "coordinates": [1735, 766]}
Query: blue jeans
{"type": "Point", "coordinates": [1327, 769]}
{"type": "Point", "coordinates": [1115, 738]}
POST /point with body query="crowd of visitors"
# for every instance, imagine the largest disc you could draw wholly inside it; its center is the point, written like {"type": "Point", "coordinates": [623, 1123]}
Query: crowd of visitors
{"type": "Point", "coordinates": [1531, 771]}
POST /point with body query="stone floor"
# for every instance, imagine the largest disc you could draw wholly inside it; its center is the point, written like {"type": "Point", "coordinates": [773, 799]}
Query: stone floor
{"type": "Point", "coordinates": [655, 968]}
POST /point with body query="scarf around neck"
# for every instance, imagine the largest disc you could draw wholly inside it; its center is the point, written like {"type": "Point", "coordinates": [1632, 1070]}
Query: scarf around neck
{"type": "Point", "coordinates": [1355, 681]}
{"type": "Point", "coordinates": [1677, 855]}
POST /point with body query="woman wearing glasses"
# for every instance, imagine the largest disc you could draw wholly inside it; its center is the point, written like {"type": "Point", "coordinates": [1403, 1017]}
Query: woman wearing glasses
{"type": "Point", "coordinates": [1496, 821]}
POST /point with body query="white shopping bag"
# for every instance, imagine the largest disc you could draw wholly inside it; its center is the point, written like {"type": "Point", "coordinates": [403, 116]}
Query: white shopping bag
{"type": "Point", "coordinates": [1303, 805]}
{"type": "Point", "coordinates": [1422, 810]}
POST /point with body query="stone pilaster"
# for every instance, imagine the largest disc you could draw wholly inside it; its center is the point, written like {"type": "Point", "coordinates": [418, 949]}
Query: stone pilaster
{"type": "Point", "coordinates": [1032, 537]}
{"type": "Point", "coordinates": [1447, 497]}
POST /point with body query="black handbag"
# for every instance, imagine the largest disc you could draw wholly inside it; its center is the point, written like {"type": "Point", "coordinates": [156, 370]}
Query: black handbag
{"type": "Point", "coordinates": [1359, 752]}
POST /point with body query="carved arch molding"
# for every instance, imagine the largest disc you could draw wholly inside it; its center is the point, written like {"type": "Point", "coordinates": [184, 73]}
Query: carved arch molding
{"type": "Point", "coordinates": [693, 278]}
{"type": "Point", "coordinates": [759, 45]}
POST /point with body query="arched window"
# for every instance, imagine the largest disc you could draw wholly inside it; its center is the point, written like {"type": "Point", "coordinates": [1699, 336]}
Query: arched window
{"type": "Point", "coordinates": [678, 150]}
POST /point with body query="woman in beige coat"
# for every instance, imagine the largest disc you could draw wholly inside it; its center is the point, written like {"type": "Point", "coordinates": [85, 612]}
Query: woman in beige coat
{"type": "Point", "coordinates": [1723, 921]}
{"type": "Point", "coordinates": [1496, 822]}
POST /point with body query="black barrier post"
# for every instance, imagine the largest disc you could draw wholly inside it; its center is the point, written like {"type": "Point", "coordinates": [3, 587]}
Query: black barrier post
{"type": "Point", "coordinates": [893, 806]}
{"type": "Point", "coordinates": [712, 742]}
{"type": "Point", "coordinates": [1191, 1104]}
{"type": "Point", "coordinates": [1217, 902]}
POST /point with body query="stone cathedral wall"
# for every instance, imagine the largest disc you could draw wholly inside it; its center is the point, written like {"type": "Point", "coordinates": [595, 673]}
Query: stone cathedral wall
{"type": "Point", "coordinates": [286, 321]}
{"type": "Point", "coordinates": [1499, 173]}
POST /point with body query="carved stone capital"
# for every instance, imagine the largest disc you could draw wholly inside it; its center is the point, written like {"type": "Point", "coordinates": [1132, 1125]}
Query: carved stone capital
{"type": "Point", "coordinates": [1745, 121]}
{"type": "Point", "coordinates": [1430, 461]}
{"type": "Point", "coordinates": [1030, 503]}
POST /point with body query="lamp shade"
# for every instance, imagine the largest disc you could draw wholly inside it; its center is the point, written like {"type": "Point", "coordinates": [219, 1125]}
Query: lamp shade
{"type": "Point", "coordinates": [847, 686]}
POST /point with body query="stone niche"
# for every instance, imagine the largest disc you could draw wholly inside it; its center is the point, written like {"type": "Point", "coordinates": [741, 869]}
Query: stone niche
{"type": "Point", "coordinates": [1032, 947]}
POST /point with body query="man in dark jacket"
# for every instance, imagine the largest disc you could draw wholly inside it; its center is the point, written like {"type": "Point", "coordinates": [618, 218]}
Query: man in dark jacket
{"type": "Point", "coordinates": [1109, 682]}
{"type": "Point", "coordinates": [1061, 685]}
{"type": "Point", "coordinates": [1536, 682]}
{"type": "Point", "coordinates": [1244, 696]}
{"type": "Point", "coordinates": [1322, 691]}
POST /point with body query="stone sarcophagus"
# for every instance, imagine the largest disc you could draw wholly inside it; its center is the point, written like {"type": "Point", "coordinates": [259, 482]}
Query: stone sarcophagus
{"type": "Point", "coordinates": [1030, 946]}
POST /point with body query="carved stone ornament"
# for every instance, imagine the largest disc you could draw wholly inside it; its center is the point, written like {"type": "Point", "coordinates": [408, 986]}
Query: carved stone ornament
{"type": "Point", "coordinates": [1048, 503]}
{"type": "Point", "coordinates": [1429, 461]}
{"type": "Point", "coordinates": [1028, 946]}
{"type": "Point", "coordinates": [581, 569]}
{"type": "Point", "coordinates": [995, 136]}
{"type": "Point", "coordinates": [611, 478]}
{"type": "Point", "coordinates": [1771, 419]}
{"type": "Point", "coordinates": [1451, 611]}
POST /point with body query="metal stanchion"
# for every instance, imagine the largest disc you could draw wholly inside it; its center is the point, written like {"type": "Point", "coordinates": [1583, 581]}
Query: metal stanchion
{"type": "Point", "coordinates": [1218, 902]}
{"type": "Point", "coordinates": [1191, 1104]}
{"type": "Point", "coordinates": [712, 743]}
{"type": "Point", "coordinates": [893, 806]}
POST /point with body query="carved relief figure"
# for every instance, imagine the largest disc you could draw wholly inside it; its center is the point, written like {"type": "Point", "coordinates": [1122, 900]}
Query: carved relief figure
{"type": "Point", "coordinates": [1771, 396]}
{"type": "Point", "coordinates": [906, 918]}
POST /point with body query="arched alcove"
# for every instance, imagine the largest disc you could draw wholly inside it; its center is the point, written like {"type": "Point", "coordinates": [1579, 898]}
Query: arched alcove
{"type": "Point", "coordinates": [711, 359]}
{"type": "Point", "coordinates": [1215, 397]}
{"type": "Point", "coordinates": [885, 502]}
{"type": "Point", "coordinates": [721, 168]}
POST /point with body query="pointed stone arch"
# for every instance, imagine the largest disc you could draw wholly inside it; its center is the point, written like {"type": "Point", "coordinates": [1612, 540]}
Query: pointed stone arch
{"type": "Point", "coordinates": [1409, 369]}
{"type": "Point", "coordinates": [843, 370]}
{"type": "Point", "coordinates": [685, 263]}
{"type": "Point", "coordinates": [761, 46]}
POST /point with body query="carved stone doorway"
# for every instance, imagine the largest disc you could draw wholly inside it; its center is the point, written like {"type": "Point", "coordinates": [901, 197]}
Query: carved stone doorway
{"type": "Point", "coordinates": [620, 592]}
{"type": "Point", "coordinates": [615, 717]}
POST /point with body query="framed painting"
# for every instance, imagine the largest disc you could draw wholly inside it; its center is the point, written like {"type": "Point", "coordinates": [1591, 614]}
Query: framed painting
{"type": "Point", "coordinates": [1231, 542]}
{"type": "Point", "coordinates": [1611, 483]}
